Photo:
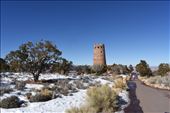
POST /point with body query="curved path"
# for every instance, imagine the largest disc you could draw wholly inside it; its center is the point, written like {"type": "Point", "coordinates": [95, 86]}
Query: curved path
{"type": "Point", "coordinates": [145, 99]}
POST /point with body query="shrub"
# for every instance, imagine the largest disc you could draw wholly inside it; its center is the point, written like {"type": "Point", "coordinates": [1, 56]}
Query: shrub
{"type": "Point", "coordinates": [160, 80]}
{"type": "Point", "coordinates": [166, 81]}
{"type": "Point", "coordinates": [28, 95]}
{"type": "Point", "coordinates": [119, 84]}
{"type": "Point", "coordinates": [20, 85]}
{"type": "Point", "coordinates": [3, 65]}
{"type": "Point", "coordinates": [99, 69]}
{"type": "Point", "coordinates": [44, 95]}
{"type": "Point", "coordinates": [99, 100]}
{"type": "Point", "coordinates": [40, 98]}
{"type": "Point", "coordinates": [152, 80]}
{"type": "Point", "coordinates": [83, 109]}
{"type": "Point", "coordinates": [10, 102]}
{"type": "Point", "coordinates": [45, 92]}
{"type": "Point", "coordinates": [5, 90]}
{"type": "Point", "coordinates": [102, 99]}
{"type": "Point", "coordinates": [62, 67]}
{"type": "Point", "coordinates": [163, 69]}
{"type": "Point", "coordinates": [82, 69]}
{"type": "Point", "coordinates": [79, 84]}
{"type": "Point", "coordinates": [119, 69]}
{"type": "Point", "coordinates": [143, 69]}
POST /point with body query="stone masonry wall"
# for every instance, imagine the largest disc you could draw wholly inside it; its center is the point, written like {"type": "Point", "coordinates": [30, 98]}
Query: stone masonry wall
{"type": "Point", "coordinates": [99, 55]}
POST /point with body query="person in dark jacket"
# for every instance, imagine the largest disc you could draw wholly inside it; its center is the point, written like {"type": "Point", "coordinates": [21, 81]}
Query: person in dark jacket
{"type": "Point", "coordinates": [133, 76]}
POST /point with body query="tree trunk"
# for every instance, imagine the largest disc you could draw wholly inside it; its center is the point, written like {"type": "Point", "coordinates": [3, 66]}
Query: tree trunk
{"type": "Point", "coordinates": [36, 76]}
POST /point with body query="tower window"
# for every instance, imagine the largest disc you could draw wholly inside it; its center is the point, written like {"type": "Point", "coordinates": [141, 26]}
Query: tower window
{"type": "Point", "coordinates": [98, 47]}
{"type": "Point", "coordinates": [101, 51]}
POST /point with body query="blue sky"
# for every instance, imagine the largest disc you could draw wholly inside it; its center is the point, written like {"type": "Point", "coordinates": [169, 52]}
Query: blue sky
{"type": "Point", "coordinates": [130, 30]}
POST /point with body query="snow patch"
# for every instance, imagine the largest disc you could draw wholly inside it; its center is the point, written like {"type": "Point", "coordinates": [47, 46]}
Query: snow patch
{"type": "Point", "coordinates": [34, 86]}
{"type": "Point", "coordinates": [58, 105]}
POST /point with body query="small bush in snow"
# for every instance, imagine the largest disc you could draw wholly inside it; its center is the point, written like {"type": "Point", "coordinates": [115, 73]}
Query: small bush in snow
{"type": "Point", "coordinates": [20, 85]}
{"type": "Point", "coordinates": [5, 90]}
{"type": "Point", "coordinates": [40, 98]}
{"type": "Point", "coordinates": [99, 100]}
{"type": "Point", "coordinates": [44, 95]}
{"type": "Point", "coordinates": [99, 69]}
{"type": "Point", "coordinates": [28, 95]}
{"type": "Point", "coordinates": [10, 102]}
{"type": "Point", "coordinates": [119, 84]}
{"type": "Point", "coordinates": [79, 84]}
{"type": "Point", "coordinates": [45, 91]}
{"type": "Point", "coordinates": [102, 99]}
{"type": "Point", "coordinates": [109, 78]}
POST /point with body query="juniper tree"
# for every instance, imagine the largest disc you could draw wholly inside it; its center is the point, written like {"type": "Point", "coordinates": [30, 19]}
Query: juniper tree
{"type": "Point", "coordinates": [163, 69]}
{"type": "Point", "coordinates": [3, 65]}
{"type": "Point", "coordinates": [62, 67]}
{"type": "Point", "coordinates": [34, 57]}
{"type": "Point", "coordinates": [143, 69]}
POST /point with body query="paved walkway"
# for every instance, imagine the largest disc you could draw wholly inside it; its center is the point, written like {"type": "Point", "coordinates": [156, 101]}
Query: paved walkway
{"type": "Point", "coordinates": [145, 99]}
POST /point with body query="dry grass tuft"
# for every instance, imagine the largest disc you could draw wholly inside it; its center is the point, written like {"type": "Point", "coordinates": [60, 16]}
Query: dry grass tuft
{"type": "Point", "coordinates": [44, 95]}
{"type": "Point", "coordinates": [99, 100]}
{"type": "Point", "coordinates": [120, 83]}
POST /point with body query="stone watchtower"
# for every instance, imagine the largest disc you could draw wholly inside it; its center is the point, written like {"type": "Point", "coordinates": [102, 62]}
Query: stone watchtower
{"type": "Point", "coordinates": [99, 55]}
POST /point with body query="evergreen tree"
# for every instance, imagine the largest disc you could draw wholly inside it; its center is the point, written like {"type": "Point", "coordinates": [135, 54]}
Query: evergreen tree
{"type": "Point", "coordinates": [143, 69]}
{"type": "Point", "coordinates": [34, 58]}
{"type": "Point", "coordinates": [3, 65]}
{"type": "Point", "coordinates": [163, 69]}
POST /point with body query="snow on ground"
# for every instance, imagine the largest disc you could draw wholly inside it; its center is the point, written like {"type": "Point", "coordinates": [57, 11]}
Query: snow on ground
{"type": "Point", "coordinates": [21, 97]}
{"type": "Point", "coordinates": [52, 76]}
{"type": "Point", "coordinates": [125, 96]}
{"type": "Point", "coordinates": [124, 76]}
{"type": "Point", "coordinates": [6, 77]}
{"type": "Point", "coordinates": [102, 81]}
{"type": "Point", "coordinates": [34, 86]}
{"type": "Point", "coordinates": [58, 105]}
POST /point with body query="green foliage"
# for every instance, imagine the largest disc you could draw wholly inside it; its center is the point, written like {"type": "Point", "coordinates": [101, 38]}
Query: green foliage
{"type": "Point", "coordinates": [99, 69]}
{"type": "Point", "coordinates": [83, 69]}
{"type": "Point", "coordinates": [163, 69]}
{"type": "Point", "coordinates": [119, 69]}
{"type": "Point", "coordinates": [143, 69]}
{"type": "Point", "coordinates": [99, 100]}
{"type": "Point", "coordinates": [62, 67]}
{"type": "Point", "coordinates": [34, 57]}
{"type": "Point", "coordinates": [10, 102]}
{"type": "Point", "coordinates": [3, 65]}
